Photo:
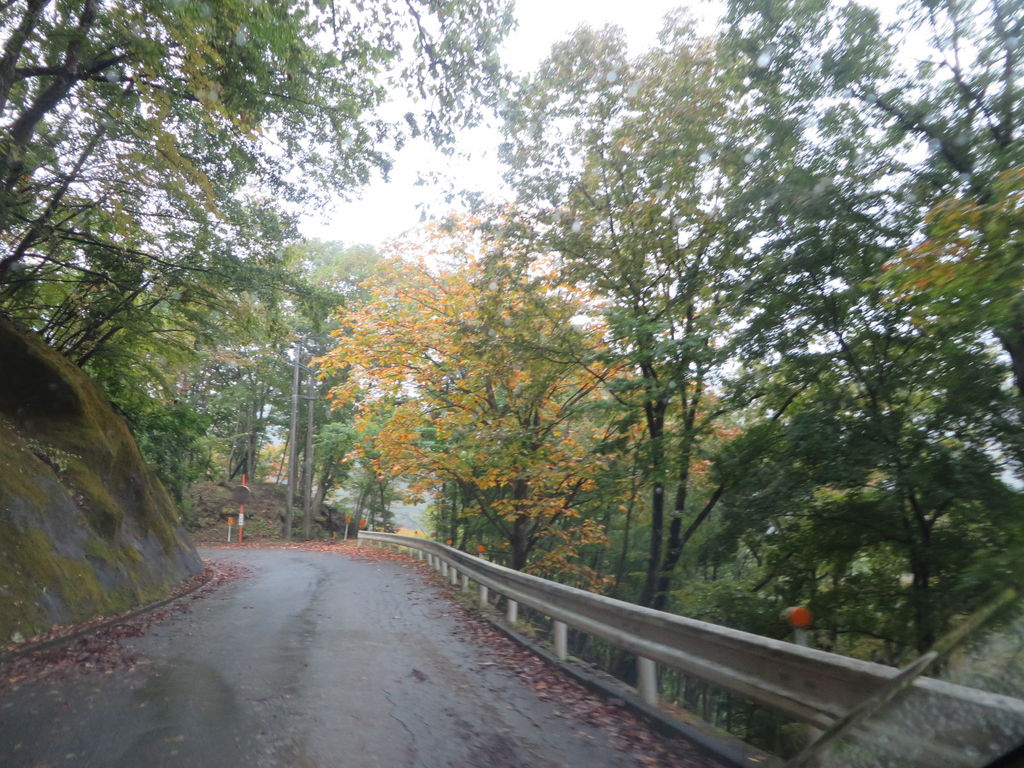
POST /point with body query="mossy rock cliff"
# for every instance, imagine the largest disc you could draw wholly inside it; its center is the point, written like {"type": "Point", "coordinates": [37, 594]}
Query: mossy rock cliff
{"type": "Point", "coordinates": [85, 527]}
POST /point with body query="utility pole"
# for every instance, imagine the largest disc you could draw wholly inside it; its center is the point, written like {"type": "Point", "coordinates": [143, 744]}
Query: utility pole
{"type": "Point", "coordinates": [290, 498]}
{"type": "Point", "coordinates": [307, 501]}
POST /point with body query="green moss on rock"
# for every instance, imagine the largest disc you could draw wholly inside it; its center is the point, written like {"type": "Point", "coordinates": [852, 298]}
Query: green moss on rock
{"type": "Point", "coordinates": [85, 527]}
{"type": "Point", "coordinates": [32, 578]}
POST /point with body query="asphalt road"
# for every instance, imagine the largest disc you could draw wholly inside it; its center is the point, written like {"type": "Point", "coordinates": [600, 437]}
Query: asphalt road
{"type": "Point", "coordinates": [315, 659]}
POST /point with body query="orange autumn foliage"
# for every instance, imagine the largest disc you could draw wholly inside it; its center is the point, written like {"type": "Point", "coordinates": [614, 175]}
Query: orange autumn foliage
{"type": "Point", "coordinates": [466, 372]}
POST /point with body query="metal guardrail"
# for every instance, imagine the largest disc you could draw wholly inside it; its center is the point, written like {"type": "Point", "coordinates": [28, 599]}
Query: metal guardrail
{"type": "Point", "coordinates": [805, 684]}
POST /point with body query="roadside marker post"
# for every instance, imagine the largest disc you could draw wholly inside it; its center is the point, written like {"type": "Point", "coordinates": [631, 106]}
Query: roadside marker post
{"type": "Point", "coordinates": [231, 523]}
{"type": "Point", "coordinates": [800, 619]}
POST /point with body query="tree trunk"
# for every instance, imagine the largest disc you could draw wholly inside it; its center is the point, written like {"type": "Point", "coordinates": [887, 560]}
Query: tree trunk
{"type": "Point", "coordinates": [920, 598]}
{"type": "Point", "coordinates": [655, 412]}
{"type": "Point", "coordinates": [1012, 338]}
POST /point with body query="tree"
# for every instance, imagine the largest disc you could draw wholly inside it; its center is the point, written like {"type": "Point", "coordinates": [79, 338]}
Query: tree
{"type": "Point", "coordinates": [449, 367]}
{"type": "Point", "coordinates": [956, 105]}
{"type": "Point", "coordinates": [148, 147]}
{"type": "Point", "coordinates": [629, 170]}
{"type": "Point", "coordinates": [886, 474]}
{"type": "Point", "coordinates": [193, 101]}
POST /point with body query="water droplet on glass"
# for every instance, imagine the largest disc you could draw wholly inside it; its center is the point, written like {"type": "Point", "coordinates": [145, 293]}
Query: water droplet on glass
{"type": "Point", "coordinates": [748, 157]}
{"type": "Point", "coordinates": [492, 286]}
{"type": "Point", "coordinates": [111, 75]}
{"type": "Point", "coordinates": [612, 76]}
{"type": "Point", "coordinates": [704, 157]}
{"type": "Point", "coordinates": [633, 90]}
{"type": "Point", "coordinates": [241, 37]}
{"type": "Point", "coordinates": [764, 58]}
{"type": "Point", "coordinates": [576, 226]}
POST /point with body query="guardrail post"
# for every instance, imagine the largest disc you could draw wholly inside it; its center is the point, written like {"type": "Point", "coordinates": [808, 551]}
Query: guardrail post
{"type": "Point", "coordinates": [465, 583]}
{"type": "Point", "coordinates": [455, 575]}
{"type": "Point", "coordinates": [512, 611]}
{"type": "Point", "coordinates": [419, 553]}
{"type": "Point", "coordinates": [647, 680]}
{"type": "Point", "coordinates": [561, 640]}
{"type": "Point", "coordinates": [483, 596]}
{"type": "Point", "coordinates": [444, 569]}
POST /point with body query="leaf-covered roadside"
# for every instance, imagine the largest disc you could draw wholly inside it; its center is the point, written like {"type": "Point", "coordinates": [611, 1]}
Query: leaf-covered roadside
{"type": "Point", "coordinates": [573, 701]}
{"type": "Point", "coordinates": [101, 651]}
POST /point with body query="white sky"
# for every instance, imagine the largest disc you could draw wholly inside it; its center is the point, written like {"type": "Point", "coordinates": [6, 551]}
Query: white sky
{"type": "Point", "coordinates": [385, 210]}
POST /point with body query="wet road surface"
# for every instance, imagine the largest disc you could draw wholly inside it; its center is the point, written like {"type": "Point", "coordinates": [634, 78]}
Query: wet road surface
{"type": "Point", "coordinates": [315, 659]}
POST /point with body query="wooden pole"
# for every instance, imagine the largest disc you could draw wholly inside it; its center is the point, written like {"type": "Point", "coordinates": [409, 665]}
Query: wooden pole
{"type": "Point", "coordinates": [307, 494]}
{"type": "Point", "coordinates": [290, 497]}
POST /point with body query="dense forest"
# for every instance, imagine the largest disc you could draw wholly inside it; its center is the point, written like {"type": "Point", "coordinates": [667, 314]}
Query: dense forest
{"type": "Point", "coordinates": [747, 333]}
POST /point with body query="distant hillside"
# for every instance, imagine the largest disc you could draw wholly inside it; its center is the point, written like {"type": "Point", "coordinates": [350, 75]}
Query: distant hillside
{"type": "Point", "coordinates": [85, 527]}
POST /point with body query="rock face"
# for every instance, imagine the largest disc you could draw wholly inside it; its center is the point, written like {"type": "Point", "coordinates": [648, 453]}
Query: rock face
{"type": "Point", "coordinates": [85, 527]}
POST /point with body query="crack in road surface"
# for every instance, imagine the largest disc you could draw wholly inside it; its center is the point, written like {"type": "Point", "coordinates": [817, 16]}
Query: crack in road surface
{"type": "Point", "coordinates": [401, 722]}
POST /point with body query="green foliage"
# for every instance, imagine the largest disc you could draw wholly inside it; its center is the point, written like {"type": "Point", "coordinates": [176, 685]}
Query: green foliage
{"type": "Point", "coordinates": [629, 168]}
{"type": "Point", "coordinates": [152, 151]}
{"type": "Point", "coordinates": [806, 251]}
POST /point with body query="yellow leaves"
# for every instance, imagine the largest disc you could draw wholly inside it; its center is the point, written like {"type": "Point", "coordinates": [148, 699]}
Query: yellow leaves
{"type": "Point", "coordinates": [443, 366]}
{"type": "Point", "coordinates": [969, 262]}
